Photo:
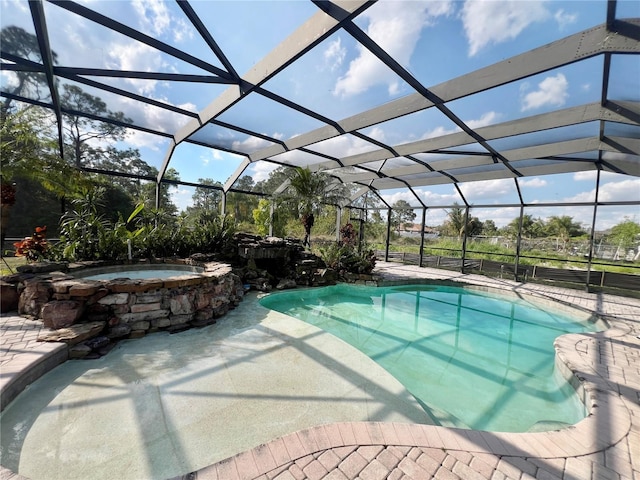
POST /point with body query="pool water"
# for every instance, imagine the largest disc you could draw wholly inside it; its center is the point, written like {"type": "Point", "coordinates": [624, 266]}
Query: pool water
{"type": "Point", "coordinates": [473, 360]}
{"type": "Point", "coordinates": [141, 274]}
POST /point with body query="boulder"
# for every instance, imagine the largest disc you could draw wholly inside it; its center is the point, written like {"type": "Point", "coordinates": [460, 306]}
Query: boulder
{"type": "Point", "coordinates": [119, 331]}
{"type": "Point", "coordinates": [181, 304]}
{"type": "Point", "coordinates": [97, 342]}
{"type": "Point", "coordinates": [79, 351]}
{"type": "Point", "coordinates": [35, 294]}
{"type": "Point", "coordinates": [61, 314]}
{"type": "Point", "coordinates": [74, 334]}
{"type": "Point", "coordinates": [286, 283]}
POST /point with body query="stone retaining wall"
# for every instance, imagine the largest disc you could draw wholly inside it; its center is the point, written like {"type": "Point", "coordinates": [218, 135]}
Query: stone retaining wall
{"type": "Point", "coordinates": [91, 314]}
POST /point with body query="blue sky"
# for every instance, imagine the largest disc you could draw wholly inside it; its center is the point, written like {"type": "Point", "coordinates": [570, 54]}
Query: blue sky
{"type": "Point", "coordinates": [434, 40]}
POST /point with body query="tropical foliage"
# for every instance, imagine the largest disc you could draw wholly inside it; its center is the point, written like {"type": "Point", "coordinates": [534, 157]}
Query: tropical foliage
{"type": "Point", "coordinates": [308, 192]}
{"type": "Point", "coordinates": [346, 256]}
{"type": "Point", "coordinates": [34, 247]}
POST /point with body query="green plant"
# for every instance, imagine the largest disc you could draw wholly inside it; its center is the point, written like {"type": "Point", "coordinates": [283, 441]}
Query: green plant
{"type": "Point", "coordinates": [344, 257]}
{"type": "Point", "coordinates": [309, 191]}
{"type": "Point", "coordinates": [213, 234]}
{"type": "Point", "coordinates": [348, 235]}
{"type": "Point", "coordinates": [33, 247]}
{"type": "Point", "coordinates": [82, 226]}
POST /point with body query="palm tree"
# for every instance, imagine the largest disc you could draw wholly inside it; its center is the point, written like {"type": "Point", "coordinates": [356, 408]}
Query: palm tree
{"type": "Point", "coordinates": [309, 191]}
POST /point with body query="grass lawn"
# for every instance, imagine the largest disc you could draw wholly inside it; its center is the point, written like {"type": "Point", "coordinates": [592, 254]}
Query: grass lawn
{"type": "Point", "coordinates": [8, 265]}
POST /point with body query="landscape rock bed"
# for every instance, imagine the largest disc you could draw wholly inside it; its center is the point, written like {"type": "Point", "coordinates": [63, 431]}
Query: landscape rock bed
{"type": "Point", "coordinates": [90, 315]}
{"type": "Point", "coordinates": [265, 263]}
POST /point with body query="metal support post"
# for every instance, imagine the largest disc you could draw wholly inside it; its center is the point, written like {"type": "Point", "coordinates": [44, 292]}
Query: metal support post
{"type": "Point", "coordinates": [593, 232]}
{"type": "Point", "coordinates": [424, 215]}
{"type": "Point", "coordinates": [464, 237]}
{"type": "Point", "coordinates": [386, 250]}
{"type": "Point", "coordinates": [518, 243]}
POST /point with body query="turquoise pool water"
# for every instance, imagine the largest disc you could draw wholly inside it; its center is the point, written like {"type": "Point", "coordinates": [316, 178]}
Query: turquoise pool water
{"type": "Point", "coordinates": [473, 360]}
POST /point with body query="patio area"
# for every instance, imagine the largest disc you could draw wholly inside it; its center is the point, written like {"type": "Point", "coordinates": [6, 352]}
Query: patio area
{"type": "Point", "coordinates": [605, 445]}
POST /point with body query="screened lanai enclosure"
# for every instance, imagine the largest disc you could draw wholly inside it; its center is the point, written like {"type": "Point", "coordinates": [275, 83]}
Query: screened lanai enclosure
{"type": "Point", "coordinates": [488, 136]}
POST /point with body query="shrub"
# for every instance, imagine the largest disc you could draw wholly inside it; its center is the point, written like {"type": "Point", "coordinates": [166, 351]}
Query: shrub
{"type": "Point", "coordinates": [344, 257]}
{"type": "Point", "coordinates": [33, 247]}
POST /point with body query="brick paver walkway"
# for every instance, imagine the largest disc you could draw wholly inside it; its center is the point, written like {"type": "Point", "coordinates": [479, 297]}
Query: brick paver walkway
{"type": "Point", "coordinates": [605, 445]}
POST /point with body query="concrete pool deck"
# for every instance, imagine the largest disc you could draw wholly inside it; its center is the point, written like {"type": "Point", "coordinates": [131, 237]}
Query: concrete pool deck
{"type": "Point", "coordinates": [605, 445]}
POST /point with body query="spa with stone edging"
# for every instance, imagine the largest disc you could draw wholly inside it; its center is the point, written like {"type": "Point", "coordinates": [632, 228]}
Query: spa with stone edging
{"type": "Point", "coordinates": [89, 315]}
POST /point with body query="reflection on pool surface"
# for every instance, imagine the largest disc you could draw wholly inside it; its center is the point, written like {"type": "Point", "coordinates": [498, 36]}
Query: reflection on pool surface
{"type": "Point", "coordinates": [474, 360]}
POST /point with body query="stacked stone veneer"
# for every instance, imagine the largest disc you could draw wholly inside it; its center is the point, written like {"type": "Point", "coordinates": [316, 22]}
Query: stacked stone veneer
{"type": "Point", "coordinates": [78, 309]}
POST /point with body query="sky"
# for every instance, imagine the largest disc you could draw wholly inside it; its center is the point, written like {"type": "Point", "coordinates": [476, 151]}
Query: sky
{"type": "Point", "coordinates": [434, 40]}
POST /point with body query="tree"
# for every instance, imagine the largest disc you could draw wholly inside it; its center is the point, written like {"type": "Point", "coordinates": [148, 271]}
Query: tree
{"type": "Point", "coordinates": [367, 202]}
{"type": "Point", "coordinates": [33, 171]}
{"type": "Point", "coordinates": [79, 131]}
{"type": "Point", "coordinates": [472, 228]}
{"type": "Point", "coordinates": [401, 213]}
{"type": "Point", "coordinates": [563, 228]}
{"type": "Point", "coordinates": [241, 203]}
{"type": "Point", "coordinates": [455, 224]}
{"type": "Point", "coordinates": [27, 151]}
{"type": "Point", "coordinates": [625, 234]}
{"type": "Point", "coordinates": [206, 199]}
{"type": "Point", "coordinates": [148, 193]}
{"type": "Point", "coordinates": [276, 178]}
{"type": "Point", "coordinates": [19, 42]}
{"type": "Point", "coordinates": [309, 191]}
{"type": "Point", "coordinates": [531, 227]}
{"type": "Point", "coordinates": [263, 219]}
{"type": "Point", "coordinates": [489, 228]}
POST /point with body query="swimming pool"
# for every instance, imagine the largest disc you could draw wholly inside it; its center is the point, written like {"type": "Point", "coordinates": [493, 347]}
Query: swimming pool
{"type": "Point", "coordinates": [165, 405]}
{"type": "Point", "coordinates": [139, 272]}
{"type": "Point", "coordinates": [472, 359]}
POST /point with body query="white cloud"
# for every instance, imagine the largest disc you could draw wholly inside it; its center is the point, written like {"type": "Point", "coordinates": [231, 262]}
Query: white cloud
{"type": "Point", "coordinates": [334, 55]}
{"type": "Point", "coordinates": [138, 139]}
{"type": "Point", "coordinates": [620, 191]}
{"type": "Point", "coordinates": [589, 175]}
{"type": "Point", "coordinates": [377, 133]}
{"type": "Point", "coordinates": [492, 22]}
{"type": "Point", "coordinates": [181, 197]}
{"type": "Point", "coordinates": [15, 4]}
{"type": "Point", "coordinates": [211, 155]}
{"type": "Point", "coordinates": [148, 115]}
{"type": "Point", "coordinates": [395, 26]}
{"type": "Point", "coordinates": [153, 16]}
{"type": "Point", "coordinates": [564, 18]}
{"type": "Point", "coordinates": [551, 91]}
{"type": "Point", "coordinates": [500, 216]}
{"type": "Point", "coordinates": [487, 118]}
{"type": "Point", "coordinates": [406, 196]}
{"type": "Point", "coordinates": [9, 79]}
{"type": "Point", "coordinates": [488, 189]}
{"type": "Point", "coordinates": [261, 170]}
{"type": "Point", "coordinates": [345, 146]}
{"type": "Point", "coordinates": [438, 132]}
{"type": "Point", "coordinates": [612, 191]}
{"type": "Point", "coordinates": [156, 20]}
{"type": "Point", "coordinates": [135, 56]}
{"type": "Point", "coordinates": [533, 183]}
{"type": "Point", "coordinates": [251, 144]}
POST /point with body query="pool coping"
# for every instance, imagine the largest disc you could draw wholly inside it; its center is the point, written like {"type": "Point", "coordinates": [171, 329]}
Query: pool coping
{"type": "Point", "coordinates": [613, 422]}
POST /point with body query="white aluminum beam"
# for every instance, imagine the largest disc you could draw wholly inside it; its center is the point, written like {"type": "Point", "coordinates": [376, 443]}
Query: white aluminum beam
{"type": "Point", "coordinates": [319, 27]}
{"type": "Point", "coordinates": [579, 46]}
